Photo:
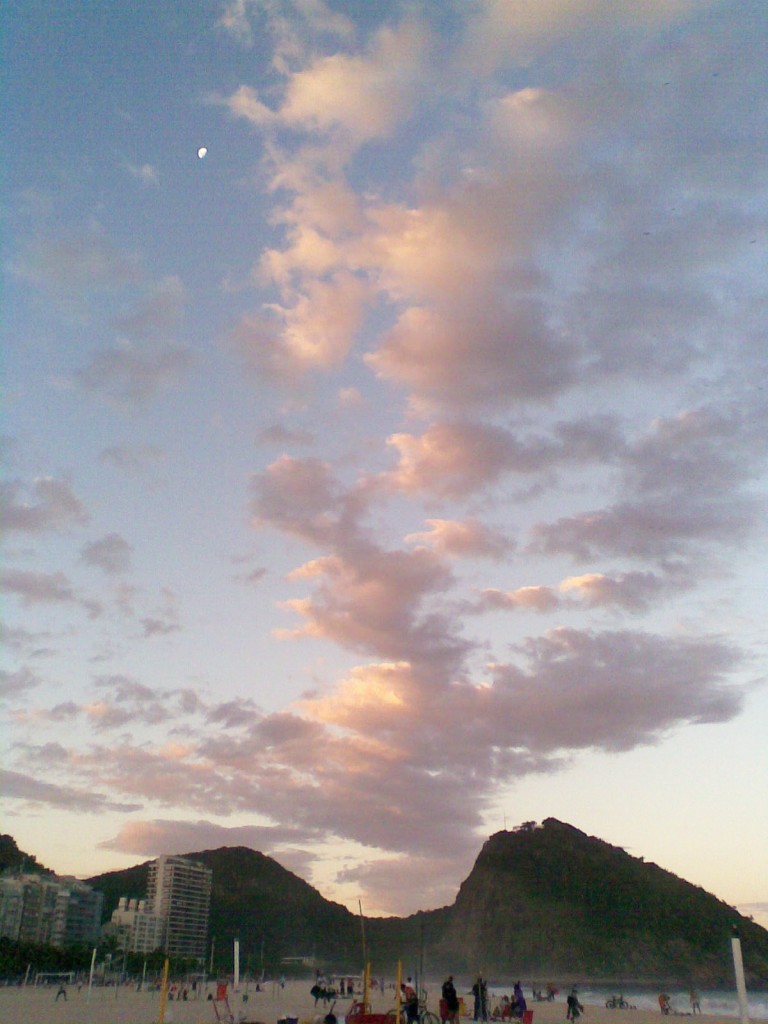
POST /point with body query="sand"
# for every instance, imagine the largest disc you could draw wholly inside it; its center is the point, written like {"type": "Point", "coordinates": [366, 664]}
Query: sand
{"type": "Point", "coordinates": [126, 1006]}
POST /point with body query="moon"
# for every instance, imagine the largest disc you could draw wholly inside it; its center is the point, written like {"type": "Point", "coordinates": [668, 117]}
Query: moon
{"type": "Point", "coordinates": [201, 152]}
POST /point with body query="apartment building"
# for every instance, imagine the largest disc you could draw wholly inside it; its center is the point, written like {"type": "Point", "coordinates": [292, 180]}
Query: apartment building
{"type": "Point", "coordinates": [138, 930]}
{"type": "Point", "coordinates": [48, 910]}
{"type": "Point", "coordinates": [179, 892]}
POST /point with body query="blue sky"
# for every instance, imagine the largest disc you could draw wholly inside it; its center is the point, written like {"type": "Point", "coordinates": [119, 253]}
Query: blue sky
{"type": "Point", "coordinates": [397, 471]}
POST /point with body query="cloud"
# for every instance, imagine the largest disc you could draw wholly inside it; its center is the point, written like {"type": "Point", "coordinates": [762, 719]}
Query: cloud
{"type": "Point", "coordinates": [504, 32]}
{"type": "Point", "coordinates": [73, 266]}
{"type": "Point", "coordinates": [145, 173]}
{"type": "Point", "coordinates": [53, 506]}
{"type": "Point", "coordinates": [303, 498]}
{"type": "Point", "coordinates": [511, 251]}
{"type": "Point", "coordinates": [134, 374]}
{"type": "Point", "coordinates": [377, 601]}
{"type": "Point", "coordinates": [457, 457]}
{"type": "Point", "coordinates": [633, 591]}
{"type": "Point", "coordinates": [44, 588]}
{"type": "Point", "coordinates": [253, 576]}
{"type": "Point", "coordinates": [16, 786]}
{"type": "Point", "coordinates": [234, 19]}
{"type": "Point", "coordinates": [379, 757]}
{"type": "Point", "coordinates": [451, 459]}
{"type": "Point", "coordinates": [279, 434]}
{"type": "Point", "coordinates": [13, 684]}
{"type": "Point", "coordinates": [535, 598]}
{"type": "Point", "coordinates": [615, 690]}
{"type": "Point", "coordinates": [658, 529]}
{"type": "Point", "coordinates": [158, 312]}
{"type": "Point", "coordinates": [111, 553]}
{"type": "Point", "coordinates": [132, 458]}
{"type": "Point", "coordinates": [463, 539]}
{"type": "Point", "coordinates": [153, 838]}
{"type": "Point", "coordinates": [316, 332]}
{"type": "Point", "coordinates": [233, 714]}
{"type": "Point", "coordinates": [436, 880]}
{"type": "Point", "coordinates": [684, 482]}
{"type": "Point", "coordinates": [360, 97]}
{"type": "Point", "coordinates": [153, 625]}
{"type": "Point", "coordinates": [475, 356]}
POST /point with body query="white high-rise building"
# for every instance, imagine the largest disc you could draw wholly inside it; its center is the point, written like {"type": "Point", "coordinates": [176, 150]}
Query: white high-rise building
{"type": "Point", "coordinates": [179, 892]}
{"type": "Point", "coordinates": [138, 930]}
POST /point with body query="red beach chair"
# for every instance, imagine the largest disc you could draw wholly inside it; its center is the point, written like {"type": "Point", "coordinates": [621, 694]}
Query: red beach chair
{"type": "Point", "coordinates": [220, 1001]}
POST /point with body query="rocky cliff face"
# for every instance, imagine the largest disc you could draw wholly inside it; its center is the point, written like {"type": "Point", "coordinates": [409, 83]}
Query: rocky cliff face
{"type": "Point", "coordinates": [552, 901]}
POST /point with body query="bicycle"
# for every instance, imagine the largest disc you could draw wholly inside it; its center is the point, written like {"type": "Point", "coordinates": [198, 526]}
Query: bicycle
{"type": "Point", "coordinates": [617, 1003]}
{"type": "Point", "coordinates": [425, 1015]}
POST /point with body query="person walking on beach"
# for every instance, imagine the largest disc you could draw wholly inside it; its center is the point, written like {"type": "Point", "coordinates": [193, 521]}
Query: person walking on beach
{"type": "Point", "coordinates": [449, 1004]}
{"type": "Point", "coordinates": [480, 992]}
{"type": "Point", "coordinates": [519, 1005]}
{"type": "Point", "coordinates": [575, 1009]}
{"type": "Point", "coordinates": [695, 1004]}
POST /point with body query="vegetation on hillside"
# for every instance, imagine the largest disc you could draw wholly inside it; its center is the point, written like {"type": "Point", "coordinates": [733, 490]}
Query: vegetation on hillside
{"type": "Point", "coordinates": [14, 859]}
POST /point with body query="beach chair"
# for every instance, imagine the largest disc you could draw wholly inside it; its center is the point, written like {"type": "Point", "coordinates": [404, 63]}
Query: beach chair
{"type": "Point", "coordinates": [221, 1004]}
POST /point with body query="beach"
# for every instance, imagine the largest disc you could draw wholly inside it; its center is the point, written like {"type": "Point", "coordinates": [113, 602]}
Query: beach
{"type": "Point", "coordinates": [124, 1005]}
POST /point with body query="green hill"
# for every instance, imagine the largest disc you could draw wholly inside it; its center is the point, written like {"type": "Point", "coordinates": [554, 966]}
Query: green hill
{"type": "Point", "coordinates": [273, 912]}
{"type": "Point", "coordinates": [541, 902]}
{"type": "Point", "coordinates": [14, 859]}
{"type": "Point", "coordinates": [551, 900]}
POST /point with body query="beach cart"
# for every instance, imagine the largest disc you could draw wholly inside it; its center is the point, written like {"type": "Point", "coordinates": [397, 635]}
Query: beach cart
{"type": "Point", "coordinates": [359, 1013]}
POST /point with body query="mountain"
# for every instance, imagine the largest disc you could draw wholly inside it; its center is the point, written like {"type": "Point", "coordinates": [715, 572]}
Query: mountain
{"type": "Point", "coordinates": [258, 901]}
{"type": "Point", "coordinates": [551, 900]}
{"type": "Point", "coordinates": [542, 902]}
{"type": "Point", "coordinates": [14, 859]}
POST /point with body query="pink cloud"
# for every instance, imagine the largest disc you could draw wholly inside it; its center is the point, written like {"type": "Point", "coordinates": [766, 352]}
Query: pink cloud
{"type": "Point", "coordinates": [657, 528]}
{"type": "Point", "coordinates": [315, 332]}
{"type": "Point", "coordinates": [394, 885]}
{"type": "Point", "coordinates": [615, 690]}
{"type": "Point", "coordinates": [364, 96]}
{"type": "Point", "coordinates": [18, 786]}
{"type": "Point", "coordinates": [635, 591]}
{"type": "Point", "coordinates": [455, 458]}
{"type": "Point", "coordinates": [475, 355]}
{"type": "Point", "coordinates": [153, 838]}
{"type": "Point", "coordinates": [301, 497]}
{"type": "Point", "coordinates": [540, 599]}
{"type": "Point", "coordinates": [464, 539]}
{"type": "Point", "coordinates": [375, 601]}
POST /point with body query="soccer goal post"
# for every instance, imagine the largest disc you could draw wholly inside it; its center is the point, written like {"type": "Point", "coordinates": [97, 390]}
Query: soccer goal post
{"type": "Point", "coordinates": [54, 977]}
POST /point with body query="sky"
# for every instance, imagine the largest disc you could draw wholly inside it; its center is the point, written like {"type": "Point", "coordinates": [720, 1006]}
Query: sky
{"type": "Point", "coordinates": [394, 472]}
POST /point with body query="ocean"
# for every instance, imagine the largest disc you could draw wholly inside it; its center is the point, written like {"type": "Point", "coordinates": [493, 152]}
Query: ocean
{"type": "Point", "coordinates": [718, 1002]}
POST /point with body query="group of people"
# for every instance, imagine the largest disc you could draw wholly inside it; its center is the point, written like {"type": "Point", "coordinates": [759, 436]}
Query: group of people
{"type": "Point", "coordinates": [665, 1004]}
{"type": "Point", "coordinates": [324, 990]}
{"type": "Point", "coordinates": [512, 1007]}
{"type": "Point", "coordinates": [509, 1008]}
